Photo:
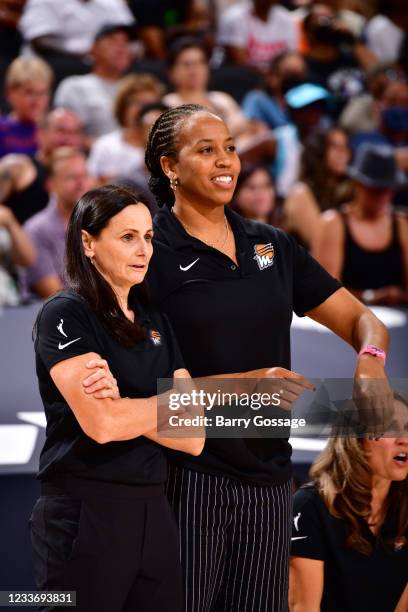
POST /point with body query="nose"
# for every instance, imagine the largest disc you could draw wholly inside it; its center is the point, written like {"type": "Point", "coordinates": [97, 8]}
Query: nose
{"type": "Point", "coordinates": [223, 160]}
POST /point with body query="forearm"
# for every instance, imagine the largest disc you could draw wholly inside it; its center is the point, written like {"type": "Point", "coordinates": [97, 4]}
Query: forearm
{"type": "Point", "coordinates": [368, 329]}
{"type": "Point", "coordinates": [22, 250]}
{"type": "Point", "coordinates": [122, 419]}
{"type": "Point", "coordinates": [193, 445]}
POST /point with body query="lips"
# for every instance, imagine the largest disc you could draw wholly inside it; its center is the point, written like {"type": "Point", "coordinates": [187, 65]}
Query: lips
{"type": "Point", "coordinates": [401, 458]}
{"type": "Point", "coordinates": [223, 179]}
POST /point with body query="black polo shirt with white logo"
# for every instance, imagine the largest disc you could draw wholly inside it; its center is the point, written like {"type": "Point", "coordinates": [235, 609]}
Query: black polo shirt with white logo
{"type": "Point", "coordinates": [353, 582]}
{"type": "Point", "coordinates": [68, 327]}
{"type": "Point", "coordinates": [230, 318]}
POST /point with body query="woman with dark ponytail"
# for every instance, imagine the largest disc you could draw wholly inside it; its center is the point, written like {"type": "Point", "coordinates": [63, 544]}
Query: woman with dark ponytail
{"type": "Point", "coordinates": [103, 516]}
{"type": "Point", "coordinates": [229, 286]}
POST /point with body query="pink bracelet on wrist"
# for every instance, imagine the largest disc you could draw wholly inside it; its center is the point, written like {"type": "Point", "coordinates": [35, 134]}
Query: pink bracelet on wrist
{"type": "Point", "coordinates": [373, 350]}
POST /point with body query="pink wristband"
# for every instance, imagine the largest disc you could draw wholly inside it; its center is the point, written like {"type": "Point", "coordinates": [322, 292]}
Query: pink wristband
{"type": "Point", "coordinates": [373, 350]}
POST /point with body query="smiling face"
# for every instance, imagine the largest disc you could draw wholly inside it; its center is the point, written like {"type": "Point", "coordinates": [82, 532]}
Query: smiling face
{"type": "Point", "coordinates": [388, 457]}
{"type": "Point", "coordinates": [123, 249]}
{"type": "Point", "coordinates": [207, 165]}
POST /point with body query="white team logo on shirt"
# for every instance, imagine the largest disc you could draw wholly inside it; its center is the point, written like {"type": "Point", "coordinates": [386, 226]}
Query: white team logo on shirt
{"type": "Point", "coordinates": [264, 255]}
{"type": "Point", "coordinates": [59, 327]}
{"type": "Point", "coordinates": [296, 521]}
{"type": "Point", "coordinates": [296, 524]}
{"type": "Point", "coordinates": [61, 331]}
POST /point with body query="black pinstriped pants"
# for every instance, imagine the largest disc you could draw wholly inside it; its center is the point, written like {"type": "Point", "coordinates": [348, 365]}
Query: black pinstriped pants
{"type": "Point", "coordinates": [234, 542]}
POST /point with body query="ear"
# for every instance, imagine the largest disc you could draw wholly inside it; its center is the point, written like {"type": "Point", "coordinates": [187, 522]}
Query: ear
{"type": "Point", "coordinates": [168, 165]}
{"type": "Point", "coordinates": [88, 243]}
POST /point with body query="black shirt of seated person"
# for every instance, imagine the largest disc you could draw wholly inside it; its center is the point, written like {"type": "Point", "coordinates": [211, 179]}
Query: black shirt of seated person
{"type": "Point", "coordinates": [230, 318]}
{"type": "Point", "coordinates": [68, 327]}
{"type": "Point", "coordinates": [352, 581]}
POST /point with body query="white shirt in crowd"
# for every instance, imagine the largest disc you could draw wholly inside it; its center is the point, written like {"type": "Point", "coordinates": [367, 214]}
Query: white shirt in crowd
{"type": "Point", "coordinates": [112, 157]}
{"type": "Point", "coordinates": [384, 38]}
{"type": "Point", "coordinates": [239, 27]}
{"type": "Point", "coordinates": [73, 23]}
{"type": "Point", "coordinates": [90, 97]}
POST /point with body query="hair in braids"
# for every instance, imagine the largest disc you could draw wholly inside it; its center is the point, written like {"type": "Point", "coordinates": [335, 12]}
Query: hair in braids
{"type": "Point", "coordinates": [163, 141]}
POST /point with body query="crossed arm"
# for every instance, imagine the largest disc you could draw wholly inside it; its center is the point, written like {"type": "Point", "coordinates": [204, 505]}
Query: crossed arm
{"type": "Point", "coordinates": [105, 419]}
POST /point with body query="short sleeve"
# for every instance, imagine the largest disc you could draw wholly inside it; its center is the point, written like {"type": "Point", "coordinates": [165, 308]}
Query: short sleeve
{"type": "Point", "coordinates": [71, 96]}
{"type": "Point", "coordinates": [43, 265]}
{"type": "Point", "coordinates": [176, 356]}
{"type": "Point", "coordinates": [101, 162]}
{"type": "Point", "coordinates": [40, 18]}
{"type": "Point", "coordinates": [63, 330]}
{"type": "Point", "coordinates": [312, 284]}
{"type": "Point", "coordinates": [232, 29]}
{"type": "Point", "coordinates": [307, 531]}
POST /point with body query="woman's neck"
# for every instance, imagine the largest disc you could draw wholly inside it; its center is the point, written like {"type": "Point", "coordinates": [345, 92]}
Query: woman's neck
{"type": "Point", "coordinates": [379, 492]}
{"type": "Point", "coordinates": [193, 95]}
{"type": "Point", "coordinates": [132, 136]}
{"type": "Point", "coordinates": [199, 218]}
{"type": "Point", "coordinates": [367, 212]}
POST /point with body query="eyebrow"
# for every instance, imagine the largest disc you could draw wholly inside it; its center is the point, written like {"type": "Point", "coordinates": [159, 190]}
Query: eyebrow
{"type": "Point", "coordinates": [202, 140]}
{"type": "Point", "coordinates": [132, 229]}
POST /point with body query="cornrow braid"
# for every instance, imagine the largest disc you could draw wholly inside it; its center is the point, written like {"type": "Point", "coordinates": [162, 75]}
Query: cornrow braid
{"type": "Point", "coordinates": [163, 141]}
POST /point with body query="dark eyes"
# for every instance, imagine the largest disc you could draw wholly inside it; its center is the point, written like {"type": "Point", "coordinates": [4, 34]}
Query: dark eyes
{"type": "Point", "coordinates": [229, 149]}
{"type": "Point", "coordinates": [129, 237]}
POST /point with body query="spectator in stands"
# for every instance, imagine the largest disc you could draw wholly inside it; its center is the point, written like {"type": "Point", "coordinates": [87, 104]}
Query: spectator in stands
{"type": "Point", "coordinates": [393, 127]}
{"type": "Point", "coordinates": [308, 108]}
{"type": "Point", "coordinates": [189, 75]}
{"type": "Point", "coordinates": [10, 37]}
{"type": "Point", "coordinates": [385, 31]}
{"type": "Point", "coordinates": [28, 82]}
{"type": "Point", "coordinates": [323, 183]}
{"type": "Point", "coordinates": [253, 33]}
{"type": "Point", "coordinates": [16, 249]}
{"type": "Point", "coordinates": [335, 57]}
{"type": "Point", "coordinates": [268, 105]}
{"type": "Point", "coordinates": [362, 113]}
{"type": "Point", "coordinates": [68, 181]}
{"type": "Point", "coordinates": [160, 20]}
{"type": "Point", "coordinates": [121, 153]}
{"type": "Point", "coordinates": [349, 547]}
{"type": "Point", "coordinates": [365, 243]}
{"type": "Point", "coordinates": [91, 96]}
{"type": "Point", "coordinates": [23, 179]}
{"type": "Point", "coordinates": [254, 195]}
{"type": "Point", "coordinates": [63, 32]}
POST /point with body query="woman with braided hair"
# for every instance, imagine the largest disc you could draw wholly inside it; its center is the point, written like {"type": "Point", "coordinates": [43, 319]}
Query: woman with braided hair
{"type": "Point", "coordinates": [229, 286]}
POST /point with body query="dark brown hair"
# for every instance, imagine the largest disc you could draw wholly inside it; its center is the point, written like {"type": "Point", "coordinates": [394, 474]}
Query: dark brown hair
{"type": "Point", "coordinates": [92, 213]}
{"type": "Point", "coordinates": [163, 140]}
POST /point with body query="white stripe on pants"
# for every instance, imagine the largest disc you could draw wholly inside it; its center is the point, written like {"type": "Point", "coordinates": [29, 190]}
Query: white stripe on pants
{"type": "Point", "coordinates": [234, 542]}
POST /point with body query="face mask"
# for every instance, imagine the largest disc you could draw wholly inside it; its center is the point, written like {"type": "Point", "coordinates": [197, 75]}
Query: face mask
{"type": "Point", "coordinates": [395, 118]}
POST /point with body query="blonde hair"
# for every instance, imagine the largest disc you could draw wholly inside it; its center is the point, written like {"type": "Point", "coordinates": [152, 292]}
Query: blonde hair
{"type": "Point", "coordinates": [62, 154]}
{"type": "Point", "coordinates": [343, 477]}
{"type": "Point", "coordinates": [134, 84]}
{"type": "Point", "coordinates": [24, 69]}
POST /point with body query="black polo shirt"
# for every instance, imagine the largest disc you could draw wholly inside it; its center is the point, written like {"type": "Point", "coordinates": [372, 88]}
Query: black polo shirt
{"type": "Point", "coordinates": [68, 327]}
{"type": "Point", "coordinates": [353, 582]}
{"type": "Point", "coordinates": [230, 318]}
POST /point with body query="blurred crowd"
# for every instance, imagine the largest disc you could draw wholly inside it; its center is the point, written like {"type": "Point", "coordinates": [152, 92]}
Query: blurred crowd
{"type": "Point", "coordinates": [314, 93]}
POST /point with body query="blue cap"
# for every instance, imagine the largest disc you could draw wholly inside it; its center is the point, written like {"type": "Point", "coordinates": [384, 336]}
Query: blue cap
{"type": "Point", "coordinates": [305, 94]}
